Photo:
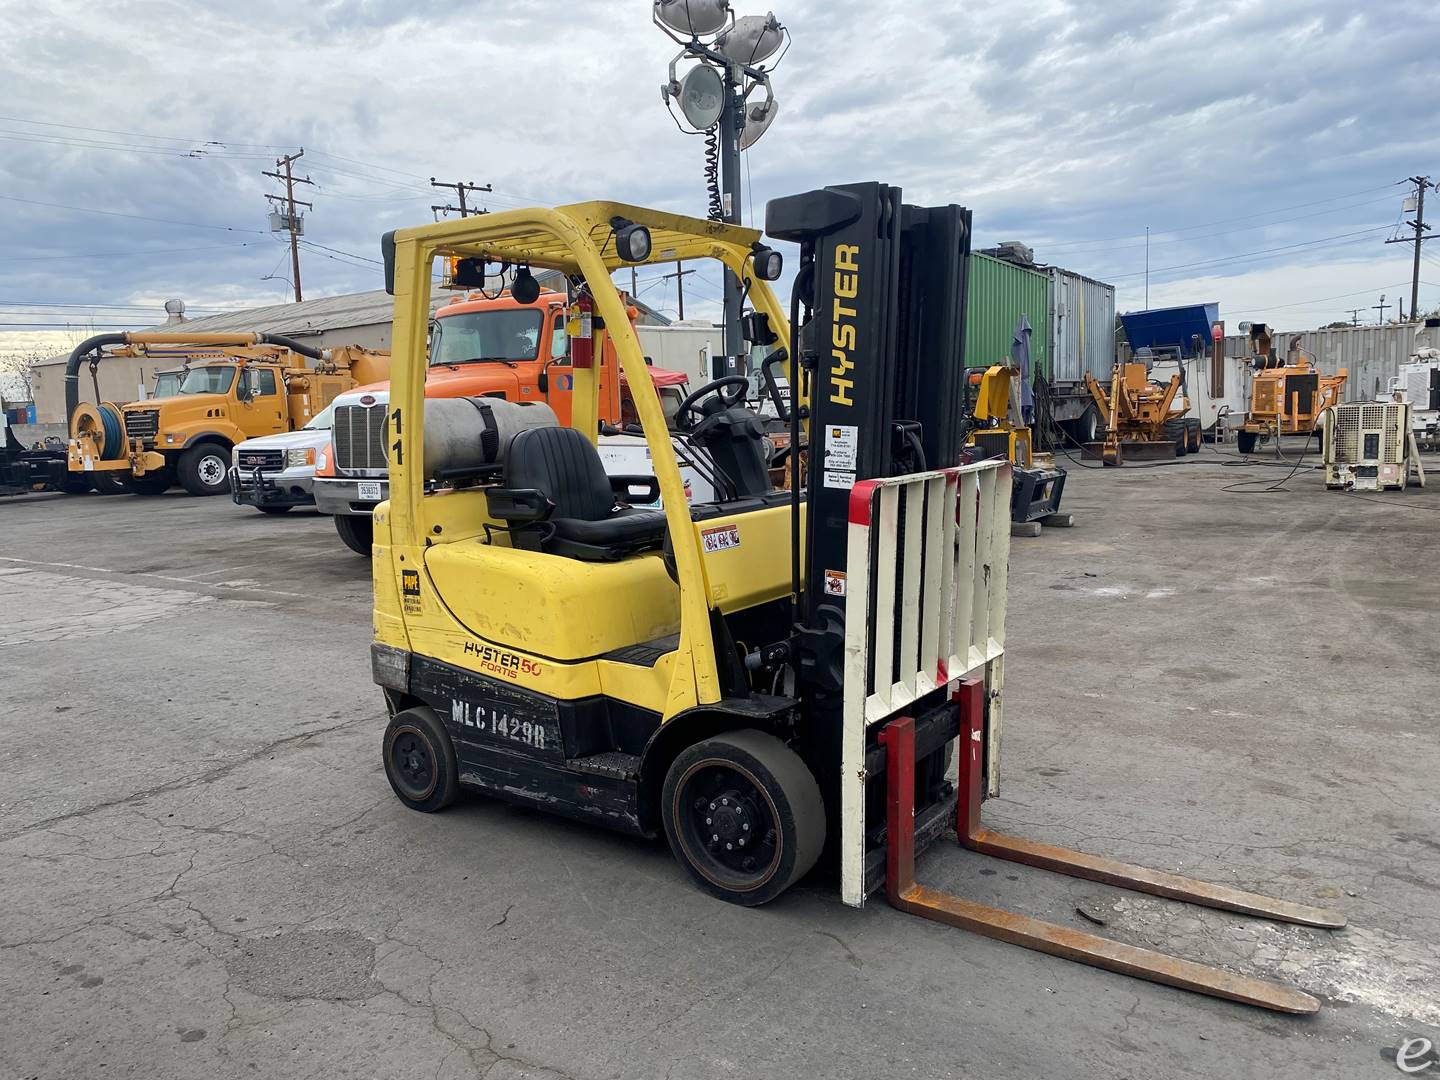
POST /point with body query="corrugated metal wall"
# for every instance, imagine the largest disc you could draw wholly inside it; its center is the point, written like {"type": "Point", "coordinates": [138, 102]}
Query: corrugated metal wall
{"type": "Point", "coordinates": [997, 294]}
{"type": "Point", "coordinates": [1371, 354]}
{"type": "Point", "coordinates": [1082, 326]}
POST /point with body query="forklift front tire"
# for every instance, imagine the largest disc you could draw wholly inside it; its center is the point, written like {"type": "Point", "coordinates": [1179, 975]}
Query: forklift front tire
{"type": "Point", "coordinates": [744, 816]}
{"type": "Point", "coordinates": [420, 761]}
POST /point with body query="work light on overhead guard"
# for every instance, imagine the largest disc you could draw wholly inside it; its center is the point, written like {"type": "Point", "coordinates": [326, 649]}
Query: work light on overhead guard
{"type": "Point", "coordinates": [632, 242]}
{"type": "Point", "coordinates": [752, 39]}
{"type": "Point", "coordinates": [693, 17]}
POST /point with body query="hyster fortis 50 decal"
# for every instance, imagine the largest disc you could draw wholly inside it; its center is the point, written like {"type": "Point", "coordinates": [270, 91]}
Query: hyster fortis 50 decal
{"type": "Point", "coordinates": [508, 665]}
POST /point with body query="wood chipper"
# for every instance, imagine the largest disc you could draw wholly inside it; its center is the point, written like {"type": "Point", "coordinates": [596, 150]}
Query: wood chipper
{"type": "Point", "coordinates": [1286, 396]}
{"type": "Point", "coordinates": [1143, 421]}
{"type": "Point", "coordinates": [772, 679]}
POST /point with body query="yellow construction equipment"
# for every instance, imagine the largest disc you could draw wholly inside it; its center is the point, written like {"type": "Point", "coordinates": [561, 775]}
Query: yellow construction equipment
{"type": "Point", "coordinates": [232, 387]}
{"type": "Point", "coordinates": [1286, 396]}
{"type": "Point", "coordinates": [1141, 417]}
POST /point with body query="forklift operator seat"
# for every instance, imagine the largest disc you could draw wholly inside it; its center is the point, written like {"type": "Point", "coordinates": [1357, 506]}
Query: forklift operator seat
{"type": "Point", "coordinates": [577, 513]}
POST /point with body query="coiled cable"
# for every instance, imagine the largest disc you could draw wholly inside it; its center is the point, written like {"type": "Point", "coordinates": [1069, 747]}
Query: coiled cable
{"type": "Point", "coordinates": [712, 174]}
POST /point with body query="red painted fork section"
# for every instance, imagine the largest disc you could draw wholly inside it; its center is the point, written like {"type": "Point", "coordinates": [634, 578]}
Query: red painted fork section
{"type": "Point", "coordinates": [898, 737]}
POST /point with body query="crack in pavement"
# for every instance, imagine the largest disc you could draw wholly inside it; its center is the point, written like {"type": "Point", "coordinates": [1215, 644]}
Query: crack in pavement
{"type": "Point", "coordinates": [208, 776]}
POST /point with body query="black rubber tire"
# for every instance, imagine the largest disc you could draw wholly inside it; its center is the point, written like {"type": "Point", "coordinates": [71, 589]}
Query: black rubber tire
{"type": "Point", "coordinates": [791, 802]}
{"type": "Point", "coordinates": [274, 509]}
{"type": "Point", "coordinates": [420, 760]}
{"type": "Point", "coordinates": [1245, 441]}
{"type": "Point", "coordinates": [1192, 434]}
{"type": "Point", "coordinates": [108, 483]}
{"type": "Point", "coordinates": [204, 469]}
{"type": "Point", "coordinates": [152, 483]}
{"type": "Point", "coordinates": [1087, 428]}
{"type": "Point", "coordinates": [1175, 432]}
{"type": "Point", "coordinates": [357, 531]}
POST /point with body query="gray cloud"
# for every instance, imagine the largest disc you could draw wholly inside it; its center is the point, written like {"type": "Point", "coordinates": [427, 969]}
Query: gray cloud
{"type": "Point", "coordinates": [1059, 123]}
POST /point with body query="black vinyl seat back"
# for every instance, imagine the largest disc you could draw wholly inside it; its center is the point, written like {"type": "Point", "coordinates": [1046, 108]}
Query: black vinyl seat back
{"type": "Point", "coordinates": [588, 522]}
{"type": "Point", "coordinates": [565, 465]}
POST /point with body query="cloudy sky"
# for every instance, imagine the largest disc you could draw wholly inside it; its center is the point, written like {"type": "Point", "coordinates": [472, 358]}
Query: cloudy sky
{"type": "Point", "coordinates": [1260, 142]}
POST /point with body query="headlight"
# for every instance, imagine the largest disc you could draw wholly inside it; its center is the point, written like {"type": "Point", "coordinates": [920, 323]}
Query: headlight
{"type": "Point", "coordinates": [321, 461]}
{"type": "Point", "coordinates": [296, 458]}
{"type": "Point", "coordinates": [234, 454]}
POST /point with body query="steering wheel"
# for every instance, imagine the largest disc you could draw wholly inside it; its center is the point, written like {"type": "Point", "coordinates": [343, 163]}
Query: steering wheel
{"type": "Point", "coordinates": [739, 383]}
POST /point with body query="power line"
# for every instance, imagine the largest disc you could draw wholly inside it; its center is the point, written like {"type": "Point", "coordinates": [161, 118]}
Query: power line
{"type": "Point", "coordinates": [337, 251]}
{"type": "Point", "coordinates": [134, 217]}
{"type": "Point", "coordinates": [137, 254]}
{"type": "Point", "coordinates": [1226, 221]}
{"type": "Point", "coordinates": [137, 134]}
{"type": "Point", "coordinates": [1106, 249]}
{"type": "Point", "coordinates": [1255, 254]}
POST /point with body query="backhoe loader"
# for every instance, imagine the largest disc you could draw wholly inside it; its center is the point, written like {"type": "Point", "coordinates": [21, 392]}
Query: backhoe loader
{"type": "Point", "coordinates": [775, 679]}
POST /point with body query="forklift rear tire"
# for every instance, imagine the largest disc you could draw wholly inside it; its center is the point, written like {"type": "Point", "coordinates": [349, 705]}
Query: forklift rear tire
{"type": "Point", "coordinates": [744, 816]}
{"type": "Point", "coordinates": [1245, 442]}
{"type": "Point", "coordinates": [204, 469]}
{"type": "Point", "coordinates": [357, 531]}
{"type": "Point", "coordinates": [420, 761]}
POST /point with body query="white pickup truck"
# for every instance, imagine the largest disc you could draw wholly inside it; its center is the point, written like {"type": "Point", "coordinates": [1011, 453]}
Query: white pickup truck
{"type": "Point", "coordinates": [277, 472]}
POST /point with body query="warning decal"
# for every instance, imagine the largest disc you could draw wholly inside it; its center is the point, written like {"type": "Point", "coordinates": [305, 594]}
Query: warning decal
{"type": "Point", "coordinates": [720, 539]}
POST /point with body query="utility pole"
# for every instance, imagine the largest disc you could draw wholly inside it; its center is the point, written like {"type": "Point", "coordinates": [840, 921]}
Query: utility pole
{"type": "Point", "coordinates": [1355, 316]}
{"type": "Point", "coordinates": [292, 220]}
{"type": "Point", "coordinates": [1380, 307]}
{"type": "Point", "coordinates": [460, 189]}
{"type": "Point", "coordinates": [1421, 183]}
{"type": "Point", "coordinates": [679, 276]}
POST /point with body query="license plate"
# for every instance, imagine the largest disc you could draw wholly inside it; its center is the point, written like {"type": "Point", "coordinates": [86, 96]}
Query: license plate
{"type": "Point", "coordinates": [371, 491]}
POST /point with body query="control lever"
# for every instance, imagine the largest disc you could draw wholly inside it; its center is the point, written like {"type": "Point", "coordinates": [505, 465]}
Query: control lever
{"type": "Point", "coordinates": [772, 387]}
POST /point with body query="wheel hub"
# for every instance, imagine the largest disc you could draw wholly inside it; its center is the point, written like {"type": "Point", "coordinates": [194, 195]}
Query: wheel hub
{"type": "Point", "coordinates": [730, 818]}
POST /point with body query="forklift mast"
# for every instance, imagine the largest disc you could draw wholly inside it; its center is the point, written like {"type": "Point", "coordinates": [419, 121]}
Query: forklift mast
{"type": "Point", "coordinates": [882, 287]}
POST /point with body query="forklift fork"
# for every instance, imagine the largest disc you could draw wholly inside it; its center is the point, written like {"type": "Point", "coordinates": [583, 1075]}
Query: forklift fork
{"type": "Point", "coordinates": [898, 737]}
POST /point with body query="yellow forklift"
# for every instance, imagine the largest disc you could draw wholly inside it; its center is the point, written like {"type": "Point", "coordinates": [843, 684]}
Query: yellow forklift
{"type": "Point", "coordinates": [772, 680]}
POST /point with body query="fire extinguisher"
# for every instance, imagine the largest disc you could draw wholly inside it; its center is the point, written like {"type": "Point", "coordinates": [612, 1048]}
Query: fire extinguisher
{"type": "Point", "coordinates": [580, 327]}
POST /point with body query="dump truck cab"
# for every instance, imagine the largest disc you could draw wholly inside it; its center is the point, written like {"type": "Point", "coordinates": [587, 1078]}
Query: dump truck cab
{"type": "Point", "coordinates": [230, 388]}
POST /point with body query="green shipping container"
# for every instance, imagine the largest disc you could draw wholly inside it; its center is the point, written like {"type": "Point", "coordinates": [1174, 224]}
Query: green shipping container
{"type": "Point", "coordinates": [997, 294]}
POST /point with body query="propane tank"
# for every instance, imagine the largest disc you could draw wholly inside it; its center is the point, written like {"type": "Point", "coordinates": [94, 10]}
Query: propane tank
{"type": "Point", "coordinates": [475, 432]}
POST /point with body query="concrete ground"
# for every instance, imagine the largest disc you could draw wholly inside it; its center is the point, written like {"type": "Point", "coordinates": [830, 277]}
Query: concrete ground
{"type": "Point", "coordinates": [203, 872]}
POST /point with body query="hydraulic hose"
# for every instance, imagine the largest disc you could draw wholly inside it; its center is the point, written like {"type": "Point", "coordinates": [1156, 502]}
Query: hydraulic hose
{"type": "Point", "coordinates": [114, 432]}
{"type": "Point", "coordinates": [72, 369]}
{"type": "Point", "coordinates": [99, 341]}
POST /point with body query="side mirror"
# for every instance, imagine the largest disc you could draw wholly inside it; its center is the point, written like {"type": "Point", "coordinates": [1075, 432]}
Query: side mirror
{"type": "Point", "coordinates": [543, 379]}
